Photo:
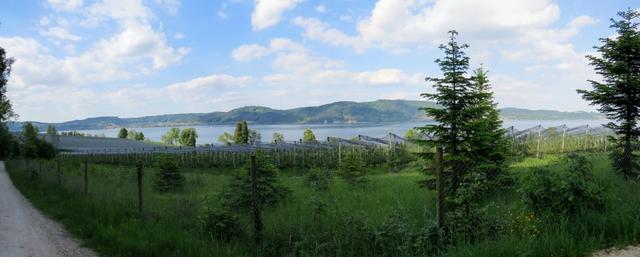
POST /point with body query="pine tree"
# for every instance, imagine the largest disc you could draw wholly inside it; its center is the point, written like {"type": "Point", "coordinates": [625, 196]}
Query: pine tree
{"type": "Point", "coordinates": [618, 96]}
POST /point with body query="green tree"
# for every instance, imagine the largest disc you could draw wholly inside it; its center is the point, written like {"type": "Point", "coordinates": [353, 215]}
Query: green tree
{"type": "Point", "coordinates": [352, 169]}
{"type": "Point", "coordinates": [172, 136]}
{"type": "Point", "coordinates": [254, 137]}
{"type": "Point", "coordinates": [618, 95]}
{"type": "Point", "coordinates": [6, 110]}
{"type": "Point", "coordinates": [278, 138]}
{"type": "Point", "coordinates": [241, 134]}
{"type": "Point", "coordinates": [238, 195]}
{"type": "Point", "coordinates": [463, 115]}
{"type": "Point", "coordinates": [226, 138]}
{"type": "Point", "coordinates": [188, 137]}
{"type": "Point", "coordinates": [52, 132]}
{"type": "Point", "coordinates": [487, 137]}
{"type": "Point", "coordinates": [7, 142]}
{"type": "Point", "coordinates": [123, 133]}
{"type": "Point", "coordinates": [34, 147]}
{"type": "Point", "coordinates": [168, 177]}
{"type": "Point", "coordinates": [135, 135]}
{"type": "Point", "coordinates": [308, 136]}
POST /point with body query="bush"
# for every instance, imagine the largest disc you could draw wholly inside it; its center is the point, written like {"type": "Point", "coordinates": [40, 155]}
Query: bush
{"type": "Point", "coordinates": [352, 169]}
{"type": "Point", "coordinates": [168, 177]}
{"type": "Point", "coordinates": [564, 192]}
{"type": "Point", "coordinates": [319, 179]}
{"type": "Point", "coordinates": [221, 225]}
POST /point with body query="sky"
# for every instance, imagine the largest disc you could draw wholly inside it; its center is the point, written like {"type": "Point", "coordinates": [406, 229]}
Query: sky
{"type": "Point", "coordinates": [80, 58]}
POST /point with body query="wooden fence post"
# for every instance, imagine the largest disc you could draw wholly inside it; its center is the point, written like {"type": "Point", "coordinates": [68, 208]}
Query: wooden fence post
{"type": "Point", "coordinates": [439, 187]}
{"type": "Point", "coordinates": [86, 176]}
{"type": "Point", "coordinates": [255, 208]}
{"type": "Point", "coordinates": [59, 172]}
{"type": "Point", "coordinates": [140, 174]}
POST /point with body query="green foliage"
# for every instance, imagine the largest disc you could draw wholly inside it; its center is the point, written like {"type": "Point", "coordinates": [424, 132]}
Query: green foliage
{"type": "Point", "coordinates": [469, 131]}
{"type": "Point", "coordinates": [188, 137]}
{"type": "Point", "coordinates": [564, 192]}
{"type": "Point", "coordinates": [254, 137]}
{"type": "Point", "coordinates": [237, 195]}
{"type": "Point", "coordinates": [241, 133]}
{"type": "Point", "coordinates": [278, 138]}
{"type": "Point", "coordinates": [135, 135]}
{"type": "Point", "coordinates": [7, 143]}
{"type": "Point", "coordinates": [6, 110]}
{"type": "Point", "coordinates": [172, 137]}
{"type": "Point", "coordinates": [226, 138]}
{"type": "Point", "coordinates": [32, 146]}
{"type": "Point", "coordinates": [319, 179]}
{"type": "Point", "coordinates": [123, 133]}
{"type": "Point", "coordinates": [168, 177]}
{"type": "Point", "coordinates": [51, 130]}
{"type": "Point", "coordinates": [352, 169]}
{"type": "Point", "coordinates": [618, 96]}
{"type": "Point", "coordinates": [220, 224]}
{"type": "Point", "coordinates": [308, 136]}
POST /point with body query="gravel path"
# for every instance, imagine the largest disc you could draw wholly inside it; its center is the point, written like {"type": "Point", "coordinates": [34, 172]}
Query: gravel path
{"type": "Point", "coordinates": [631, 251]}
{"type": "Point", "coordinates": [25, 232]}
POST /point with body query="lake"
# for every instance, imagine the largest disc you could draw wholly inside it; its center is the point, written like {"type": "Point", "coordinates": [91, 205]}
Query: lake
{"type": "Point", "coordinates": [292, 132]}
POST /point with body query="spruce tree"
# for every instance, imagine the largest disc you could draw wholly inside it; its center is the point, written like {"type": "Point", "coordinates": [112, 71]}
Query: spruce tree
{"type": "Point", "coordinates": [452, 95]}
{"type": "Point", "coordinates": [618, 95]}
{"type": "Point", "coordinates": [487, 140]}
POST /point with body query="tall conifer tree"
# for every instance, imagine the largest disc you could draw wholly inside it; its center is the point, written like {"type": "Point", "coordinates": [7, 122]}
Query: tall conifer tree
{"type": "Point", "coordinates": [618, 95]}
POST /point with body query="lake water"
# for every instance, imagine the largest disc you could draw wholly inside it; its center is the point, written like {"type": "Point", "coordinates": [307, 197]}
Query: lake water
{"type": "Point", "coordinates": [292, 132]}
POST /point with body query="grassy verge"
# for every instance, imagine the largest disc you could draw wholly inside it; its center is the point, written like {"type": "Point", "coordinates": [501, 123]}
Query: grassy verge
{"type": "Point", "coordinates": [385, 218]}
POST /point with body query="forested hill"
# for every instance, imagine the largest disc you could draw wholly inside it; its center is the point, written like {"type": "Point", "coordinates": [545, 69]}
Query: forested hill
{"type": "Point", "coordinates": [338, 112]}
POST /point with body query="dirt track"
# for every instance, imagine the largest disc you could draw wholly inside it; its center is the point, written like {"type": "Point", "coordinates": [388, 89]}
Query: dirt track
{"type": "Point", "coordinates": [25, 232]}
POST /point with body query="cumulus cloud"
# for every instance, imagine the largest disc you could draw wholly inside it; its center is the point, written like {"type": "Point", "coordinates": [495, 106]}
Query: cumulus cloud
{"type": "Point", "coordinates": [172, 6]}
{"type": "Point", "coordinates": [267, 13]}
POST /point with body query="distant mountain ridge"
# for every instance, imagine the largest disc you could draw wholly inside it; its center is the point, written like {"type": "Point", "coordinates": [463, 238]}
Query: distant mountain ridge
{"type": "Point", "coordinates": [339, 112]}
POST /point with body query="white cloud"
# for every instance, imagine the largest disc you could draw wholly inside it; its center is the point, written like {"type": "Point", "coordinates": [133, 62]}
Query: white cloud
{"type": "Point", "coordinates": [60, 33]}
{"type": "Point", "coordinates": [172, 6]}
{"type": "Point", "coordinates": [66, 5]}
{"type": "Point", "coordinates": [428, 21]}
{"type": "Point", "coordinates": [317, 30]}
{"type": "Point", "coordinates": [321, 9]}
{"type": "Point", "coordinates": [267, 13]}
{"type": "Point", "coordinates": [211, 82]}
{"type": "Point", "coordinates": [249, 52]}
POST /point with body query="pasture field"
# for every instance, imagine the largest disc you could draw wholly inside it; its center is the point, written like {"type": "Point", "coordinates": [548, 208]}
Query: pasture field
{"type": "Point", "coordinates": [388, 216]}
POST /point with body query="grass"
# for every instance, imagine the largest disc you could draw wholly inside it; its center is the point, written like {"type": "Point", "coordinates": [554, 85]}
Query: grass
{"type": "Point", "coordinates": [352, 221]}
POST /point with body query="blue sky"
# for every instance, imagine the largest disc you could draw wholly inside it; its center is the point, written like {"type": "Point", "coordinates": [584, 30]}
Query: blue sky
{"type": "Point", "coordinates": [128, 58]}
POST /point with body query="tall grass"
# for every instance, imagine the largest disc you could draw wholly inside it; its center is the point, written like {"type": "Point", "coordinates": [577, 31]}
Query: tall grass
{"type": "Point", "coordinates": [387, 217]}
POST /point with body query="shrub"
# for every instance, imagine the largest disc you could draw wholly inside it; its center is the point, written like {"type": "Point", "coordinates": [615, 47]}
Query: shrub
{"type": "Point", "coordinates": [319, 179]}
{"type": "Point", "coordinates": [352, 169]}
{"type": "Point", "coordinates": [220, 224]}
{"type": "Point", "coordinates": [565, 192]}
{"type": "Point", "coordinates": [168, 177]}
{"type": "Point", "coordinates": [237, 195]}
